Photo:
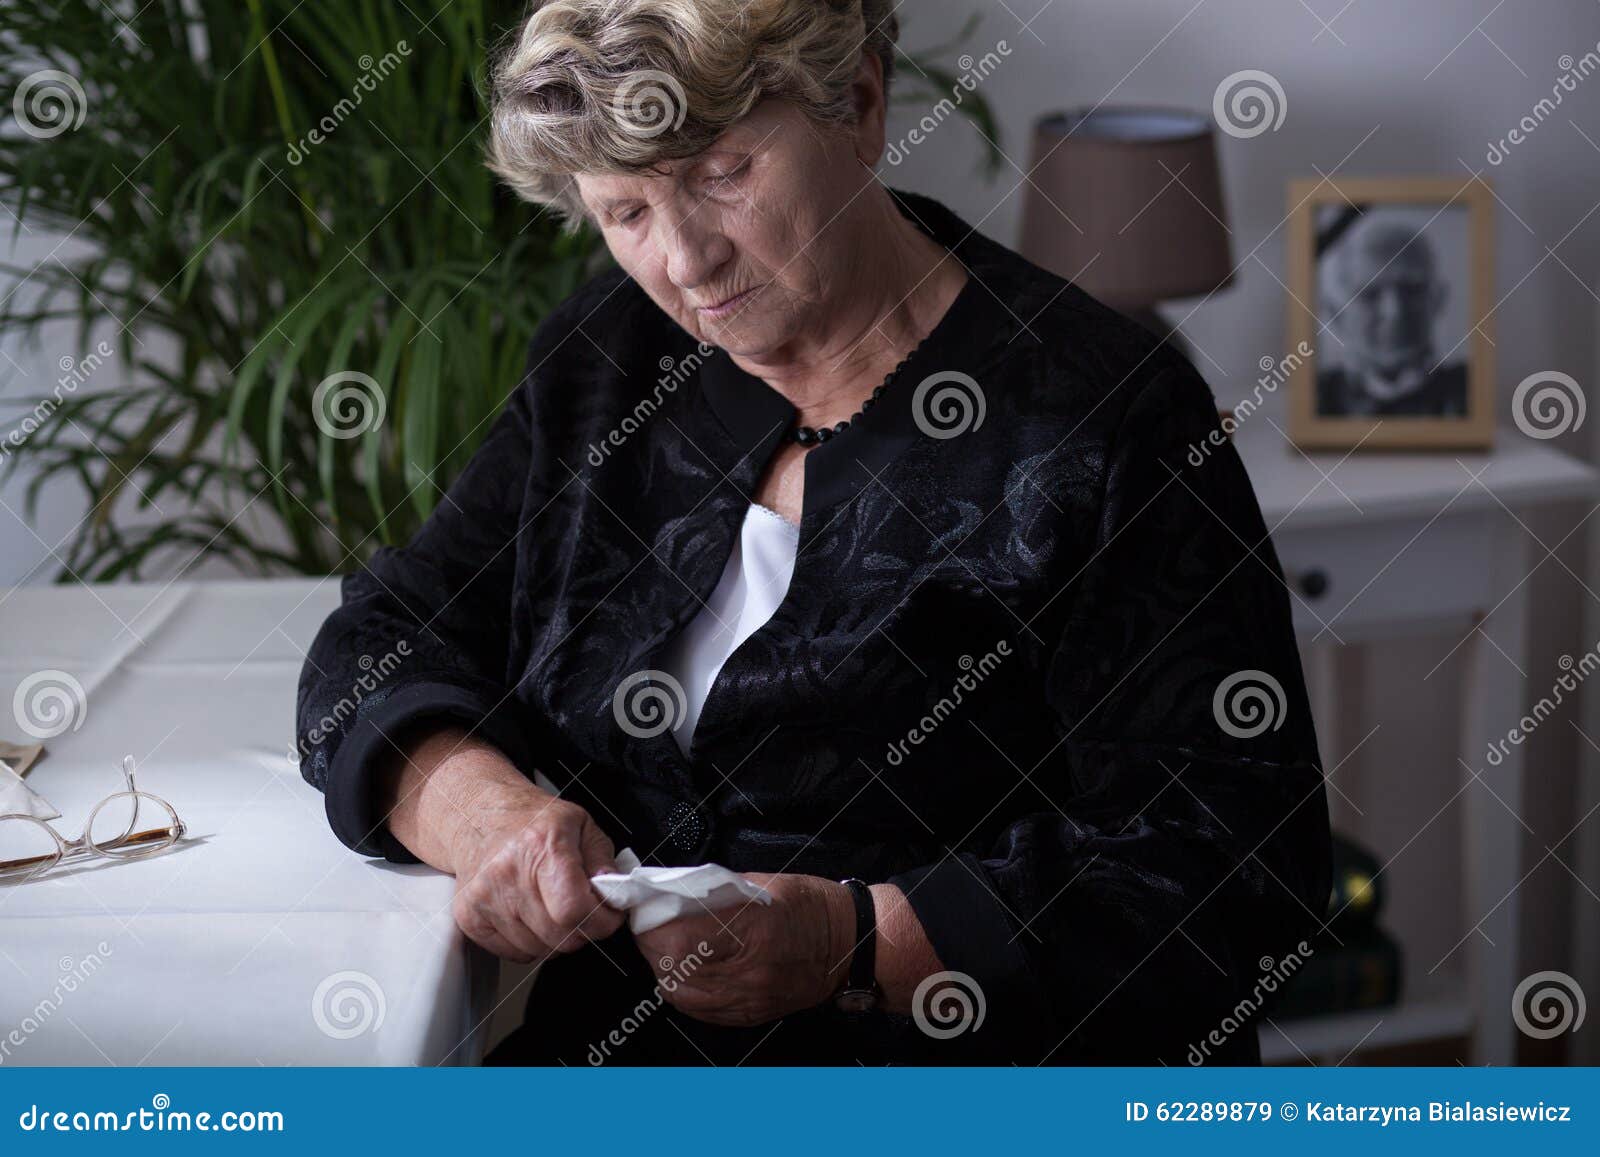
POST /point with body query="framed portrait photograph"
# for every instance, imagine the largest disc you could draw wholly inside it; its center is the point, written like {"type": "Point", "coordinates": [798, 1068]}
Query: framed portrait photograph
{"type": "Point", "coordinates": [1391, 285]}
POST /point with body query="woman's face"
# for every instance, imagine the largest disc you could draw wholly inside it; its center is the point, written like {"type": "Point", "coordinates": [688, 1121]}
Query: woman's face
{"type": "Point", "coordinates": [747, 244]}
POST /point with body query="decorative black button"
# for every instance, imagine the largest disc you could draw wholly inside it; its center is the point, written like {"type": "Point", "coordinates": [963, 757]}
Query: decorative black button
{"type": "Point", "coordinates": [686, 826]}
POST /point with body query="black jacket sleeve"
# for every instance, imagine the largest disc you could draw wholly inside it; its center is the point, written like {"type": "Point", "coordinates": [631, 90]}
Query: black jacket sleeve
{"type": "Point", "coordinates": [420, 637]}
{"type": "Point", "coordinates": [1183, 844]}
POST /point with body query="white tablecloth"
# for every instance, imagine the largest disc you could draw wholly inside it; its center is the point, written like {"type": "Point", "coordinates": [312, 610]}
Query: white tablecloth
{"type": "Point", "coordinates": [261, 939]}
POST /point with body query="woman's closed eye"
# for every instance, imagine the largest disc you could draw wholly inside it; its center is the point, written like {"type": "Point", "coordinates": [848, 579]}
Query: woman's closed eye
{"type": "Point", "coordinates": [721, 182]}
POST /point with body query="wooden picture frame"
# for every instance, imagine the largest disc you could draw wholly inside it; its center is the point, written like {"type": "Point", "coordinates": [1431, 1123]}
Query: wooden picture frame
{"type": "Point", "coordinates": [1407, 313]}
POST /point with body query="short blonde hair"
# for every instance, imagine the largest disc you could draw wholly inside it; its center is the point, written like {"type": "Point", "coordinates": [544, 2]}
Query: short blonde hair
{"type": "Point", "coordinates": [621, 86]}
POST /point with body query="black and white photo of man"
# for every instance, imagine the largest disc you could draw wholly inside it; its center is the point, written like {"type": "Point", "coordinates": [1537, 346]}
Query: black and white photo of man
{"type": "Point", "coordinates": [1388, 303]}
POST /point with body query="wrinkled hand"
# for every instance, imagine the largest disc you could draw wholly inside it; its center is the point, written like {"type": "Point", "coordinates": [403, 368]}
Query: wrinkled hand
{"type": "Point", "coordinates": [757, 962]}
{"type": "Point", "coordinates": [523, 860]}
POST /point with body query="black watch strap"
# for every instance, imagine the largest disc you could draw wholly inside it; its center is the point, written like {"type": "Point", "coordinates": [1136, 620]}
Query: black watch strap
{"type": "Point", "coordinates": [861, 988]}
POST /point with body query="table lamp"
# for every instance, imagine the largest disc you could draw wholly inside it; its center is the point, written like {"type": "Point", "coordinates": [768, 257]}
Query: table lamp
{"type": "Point", "coordinates": [1127, 203]}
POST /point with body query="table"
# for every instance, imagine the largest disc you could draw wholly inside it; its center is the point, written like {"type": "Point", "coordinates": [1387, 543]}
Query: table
{"type": "Point", "coordinates": [260, 940]}
{"type": "Point", "coordinates": [1381, 545]}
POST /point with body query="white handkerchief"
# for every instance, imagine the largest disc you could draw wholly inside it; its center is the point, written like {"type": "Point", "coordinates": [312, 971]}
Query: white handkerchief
{"type": "Point", "coordinates": [17, 798]}
{"type": "Point", "coordinates": [653, 896]}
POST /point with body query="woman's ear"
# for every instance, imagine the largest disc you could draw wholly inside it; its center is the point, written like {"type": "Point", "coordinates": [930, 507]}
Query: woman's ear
{"type": "Point", "coordinates": [871, 107]}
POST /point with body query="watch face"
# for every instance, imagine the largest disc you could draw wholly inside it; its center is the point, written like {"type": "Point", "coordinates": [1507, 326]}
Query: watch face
{"type": "Point", "coordinates": [856, 1000]}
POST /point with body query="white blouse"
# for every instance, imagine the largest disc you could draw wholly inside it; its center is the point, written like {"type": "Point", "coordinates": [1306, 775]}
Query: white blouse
{"type": "Point", "coordinates": [753, 584]}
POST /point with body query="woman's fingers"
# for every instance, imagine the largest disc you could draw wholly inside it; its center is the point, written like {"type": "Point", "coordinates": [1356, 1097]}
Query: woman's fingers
{"type": "Point", "coordinates": [478, 924]}
{"type": "Point", "coordinates": [599, 855]}
{"type": "Point", "coordinates": [526, 894]}
{"type": "Point", "coordinates": [495, 908]}
{"type": "Point", "coordinates": [515, 931]}
{"type": "Point", "coordinates": [573, 912]}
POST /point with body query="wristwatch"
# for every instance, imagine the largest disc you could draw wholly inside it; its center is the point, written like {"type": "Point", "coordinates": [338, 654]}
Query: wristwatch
{"type": "Point", "coordinates": [861, 992]}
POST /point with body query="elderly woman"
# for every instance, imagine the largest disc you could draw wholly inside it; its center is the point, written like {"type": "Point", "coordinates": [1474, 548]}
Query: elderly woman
{"type": "Point", "coordinates": [830, 541]}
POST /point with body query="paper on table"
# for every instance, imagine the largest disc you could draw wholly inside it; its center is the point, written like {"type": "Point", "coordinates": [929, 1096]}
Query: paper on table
{"type": "Point", "coordinates": [653, 896]}
{"type": "Point", "coordinates": [20, 756]}
{"type": "Point", "coordinates": [18, 799]}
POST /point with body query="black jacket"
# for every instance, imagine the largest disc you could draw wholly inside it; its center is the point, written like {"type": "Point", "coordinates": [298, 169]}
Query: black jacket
{"type": "Point", "coordinates": [1012, 672]}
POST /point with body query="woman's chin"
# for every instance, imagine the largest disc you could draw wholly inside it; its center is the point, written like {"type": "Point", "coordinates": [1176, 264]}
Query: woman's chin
{"type": "Point", "coordinates": [747, 335]}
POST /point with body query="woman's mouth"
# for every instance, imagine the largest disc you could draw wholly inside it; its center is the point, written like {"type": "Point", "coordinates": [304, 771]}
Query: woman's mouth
{"type": "Point", "coordinates": [729, 307]}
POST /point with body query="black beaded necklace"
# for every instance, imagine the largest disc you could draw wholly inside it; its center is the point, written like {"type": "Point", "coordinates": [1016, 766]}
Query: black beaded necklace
{"type": "Point", "coordinates": [809, 436]}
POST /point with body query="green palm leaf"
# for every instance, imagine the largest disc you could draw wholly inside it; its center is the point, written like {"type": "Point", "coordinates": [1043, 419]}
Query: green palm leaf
{"type": "Point", "coordinates": [236, 263]}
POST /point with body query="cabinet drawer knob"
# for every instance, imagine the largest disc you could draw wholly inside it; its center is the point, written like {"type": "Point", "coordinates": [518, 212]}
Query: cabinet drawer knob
{"type": "Point", "coordinates": [1314, 583]}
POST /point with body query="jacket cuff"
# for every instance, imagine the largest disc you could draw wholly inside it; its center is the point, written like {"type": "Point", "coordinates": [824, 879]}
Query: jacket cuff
{"type": "Point", "coordinates": [351, 788]}
{"type": "Point", "coordinates": [964, 919]}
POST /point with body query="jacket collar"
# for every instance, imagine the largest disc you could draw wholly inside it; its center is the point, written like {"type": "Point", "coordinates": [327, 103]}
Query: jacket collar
{"type": "Point", "coordinates": [962, 344]}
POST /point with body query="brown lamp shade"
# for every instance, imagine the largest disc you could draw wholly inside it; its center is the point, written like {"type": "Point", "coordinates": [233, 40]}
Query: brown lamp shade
{"type": "Point", "coordinates": [1127, 202]}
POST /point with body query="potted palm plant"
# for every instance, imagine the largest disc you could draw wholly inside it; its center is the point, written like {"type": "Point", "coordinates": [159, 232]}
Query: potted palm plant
{"type": "Point", "coordinates": [263, 194]}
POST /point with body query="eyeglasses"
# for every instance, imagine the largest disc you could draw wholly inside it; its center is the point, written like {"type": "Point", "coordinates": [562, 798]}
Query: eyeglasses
{"type": "Point", "coordinates": [30, 847]}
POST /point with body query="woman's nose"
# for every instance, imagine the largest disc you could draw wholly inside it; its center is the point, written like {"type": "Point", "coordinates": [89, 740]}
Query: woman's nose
{"type": "Point", "coordinates": [695, 250]}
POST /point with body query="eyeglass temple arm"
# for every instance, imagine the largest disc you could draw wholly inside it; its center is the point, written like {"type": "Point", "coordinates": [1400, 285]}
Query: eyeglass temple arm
{"type": "Point", "coordinates": [25, 862]}
{"type": "Point", "coordinates": [149, 836]}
